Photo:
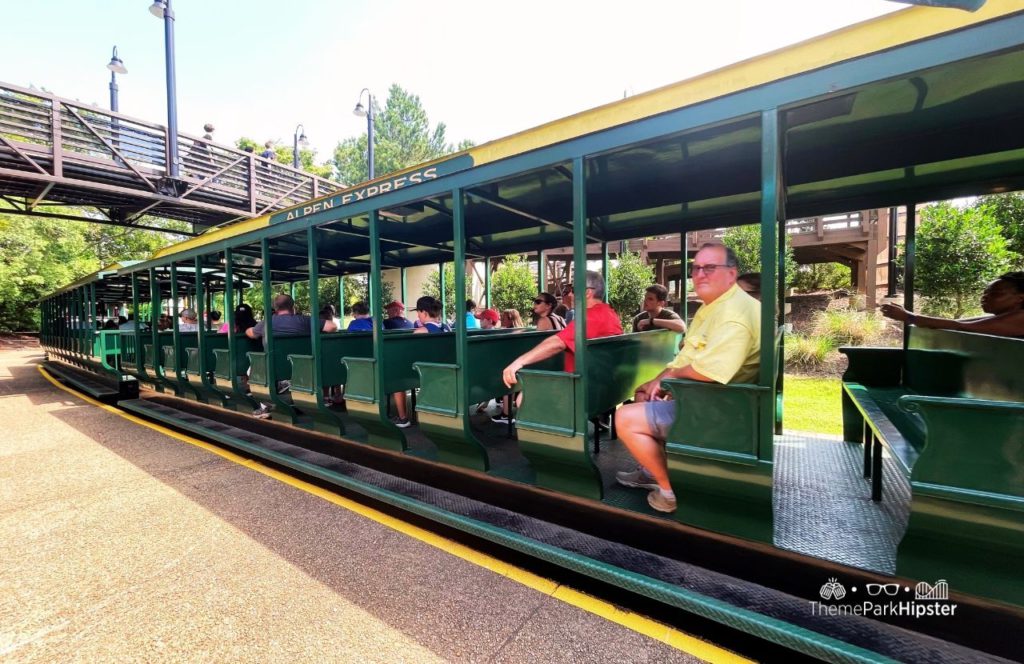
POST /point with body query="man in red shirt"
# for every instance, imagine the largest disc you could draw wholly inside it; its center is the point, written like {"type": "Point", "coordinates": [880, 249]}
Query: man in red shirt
{"type": "Point", "coordinates": [602, 321]}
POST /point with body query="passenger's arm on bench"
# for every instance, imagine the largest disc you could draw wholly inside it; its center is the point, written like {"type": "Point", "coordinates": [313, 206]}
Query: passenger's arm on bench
{"type": "Point", "coordinates": [548, 348]}
{"type": "Point", "coordinates": [652, 389]}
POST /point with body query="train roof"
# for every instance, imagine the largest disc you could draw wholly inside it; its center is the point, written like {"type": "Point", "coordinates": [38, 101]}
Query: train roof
{"type": "Point", "coordinates": [922, 104]}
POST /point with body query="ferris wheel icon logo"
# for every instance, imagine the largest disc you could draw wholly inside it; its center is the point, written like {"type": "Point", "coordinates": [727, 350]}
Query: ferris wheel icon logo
{"type": "Point", "coordinates": [832, 589]}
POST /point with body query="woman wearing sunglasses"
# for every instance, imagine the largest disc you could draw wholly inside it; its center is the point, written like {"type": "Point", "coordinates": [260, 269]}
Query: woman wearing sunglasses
{"type": "Point", "coordinates": [544, 316]}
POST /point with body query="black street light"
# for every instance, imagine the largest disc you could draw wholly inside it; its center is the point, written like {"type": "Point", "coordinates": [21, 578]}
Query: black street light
{"type": "Point", "coordinates": [116, 66]}
{"type": "Point", "coordinates": [162, 9]}
{"type": "Point", "coordinates": [368, 112]}
{"type": "Point", "coordinates": [300, 139]}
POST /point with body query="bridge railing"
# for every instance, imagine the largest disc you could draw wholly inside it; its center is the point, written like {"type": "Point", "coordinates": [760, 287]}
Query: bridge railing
{"type": "Point", "coordinates": [45, 135]}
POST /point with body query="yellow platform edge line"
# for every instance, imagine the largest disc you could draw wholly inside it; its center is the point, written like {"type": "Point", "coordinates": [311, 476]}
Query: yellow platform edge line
{"type": "Point", "coordinates": [632, 621]}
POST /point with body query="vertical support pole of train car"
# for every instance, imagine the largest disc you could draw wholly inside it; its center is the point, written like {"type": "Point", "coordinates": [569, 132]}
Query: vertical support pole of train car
{"type": "Point", "coordinates": [341, 298]}
{"type": "Point", "coordinates": [291, 290]}
{"type": "Point", "coordinates": [174, 305]}
{"type": "Point", "coordinates": [684, 294]}
{"type": "Point", "coordinates": [76, 320]}
{"type": "Point", "coordinates": [771, 216]}
{"type": "Point", "coordinates": [487, 282]}
{"type": "Point", "coordinates": [403, 286]}
{"type": "Point", "coordinates": [461, 333]}
{"type": "Point", "coordinates": [579, 255]}
{"type": "Point", "coordinates": [136, 323]}
{"type": "Point", "coordinates": [542, 272]}
{"type": "Point", "coordinates": [910, 264]}
{"type": "Point", "coordinates": [268, 318]}
{"type": "Point", "coordinates": [444, 288]}
{"type": "Point", "coordinates": [94, 326]}
{"type": "Point", "coordinates": [202, 313]}
{"type": "Point", "coordinates": [314, 309]}
{"type": "Point", "coordinates": [155, 311]}
{"type": "Point", "coordinates": [604, 268]}
{"type": "Point", "coordinates": [890, 269]}
{"type": "Point", "coordinates": [382, 397]}
{"type": "Point", "coordinates": [229, 316]}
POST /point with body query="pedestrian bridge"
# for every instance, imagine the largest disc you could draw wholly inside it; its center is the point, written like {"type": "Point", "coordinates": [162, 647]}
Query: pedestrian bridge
{"type": "Point", "coordinates": [111, 168]}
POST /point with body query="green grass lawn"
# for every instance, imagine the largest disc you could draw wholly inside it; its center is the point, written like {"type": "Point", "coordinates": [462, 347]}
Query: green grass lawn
{"type": "Point", "coordinates": [812, 404]}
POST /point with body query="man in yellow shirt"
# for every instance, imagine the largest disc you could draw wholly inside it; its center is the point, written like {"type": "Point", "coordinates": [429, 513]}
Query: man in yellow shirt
{"type": "Point", "coordinates": [721, 346]}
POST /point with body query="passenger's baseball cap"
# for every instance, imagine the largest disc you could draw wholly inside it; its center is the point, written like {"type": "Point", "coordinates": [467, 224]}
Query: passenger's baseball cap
{"type": "Point", "coordinates": [489, 314]}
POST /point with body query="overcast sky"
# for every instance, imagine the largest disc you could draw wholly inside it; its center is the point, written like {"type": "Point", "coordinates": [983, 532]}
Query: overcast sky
{"type": "Point", "coordinates": [486, 69]}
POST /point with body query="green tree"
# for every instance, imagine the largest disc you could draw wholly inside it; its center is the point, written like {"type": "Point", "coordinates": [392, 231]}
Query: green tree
{"type": "Point", "coordinates": [432, 286]}
{"type": "Point", "coordinates": [41, 255]}
{"type": "Point", "coordinates": [357, 290]}
{"type": "Point", "coordinates": [513, 285]}
{"type": "Point", "coordinates": [283, 154]}
{"type": "Point", "coordinates": [403, 137]}
{"type": "Point", "coordinates": [821, 276]}
{"type": "Point", "coordinates": [746, 242]}
{"type": "Point", "coordinates": [958, 252]}
{"type": "Point", "coordinates": [1008, 211]}
{"type": "Point", "coordinates": [628, 278]}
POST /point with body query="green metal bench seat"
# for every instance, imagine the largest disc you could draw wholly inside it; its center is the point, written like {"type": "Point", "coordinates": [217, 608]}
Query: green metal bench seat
{"type": "Point", "coordinates": [260, 376]}
{"type": "Point", "coordinates": [230, 373]}
{"type": "Point", "coordinates": [372, 381]}
{"type": "Point", "coordinates": [310, 377]}
{"type": "Point", "coordinates": [153, 360]}
{"type": "Point", "coordinates": [175, 360]}
{"type": "Point", "coordinates": [949, 410]}
{"type": "Point", "coordinates": [720, 452]}
{"type": "Point", "coordinates": [449, 391]}
{"type": "Point", "coordinates": [204, 383]}
{"type": "Point", "coordinates": [549, 434]}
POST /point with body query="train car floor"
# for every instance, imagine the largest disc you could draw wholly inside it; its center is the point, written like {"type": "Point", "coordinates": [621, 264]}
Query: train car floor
{"type": "Point", "coordinates": [822, 503]}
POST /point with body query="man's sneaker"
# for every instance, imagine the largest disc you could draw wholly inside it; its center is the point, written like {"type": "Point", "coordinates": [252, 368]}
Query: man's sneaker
{"type": "Point", "coordinates": [401, 422]}
{"type": "Point", "coordinates": [283, 386]}
{"type": "Point", "coordinates": [661, 502]}
{"type": "Point", "coordinates": [636, 479]}
{"type": "Point", "coordinates": [263, 412]}
{"type": "Point", "coordinates": [503, 418]}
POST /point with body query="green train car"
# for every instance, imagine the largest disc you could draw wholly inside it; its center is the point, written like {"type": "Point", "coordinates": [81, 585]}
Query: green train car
{"type": "Point", "coordinates": [924, 104]}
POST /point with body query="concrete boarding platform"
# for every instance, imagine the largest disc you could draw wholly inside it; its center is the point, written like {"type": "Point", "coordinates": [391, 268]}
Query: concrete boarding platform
{"type": "Point", "coordinates": [122, 543]}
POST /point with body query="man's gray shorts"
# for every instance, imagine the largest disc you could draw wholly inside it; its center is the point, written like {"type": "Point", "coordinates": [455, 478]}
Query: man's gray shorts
{"type": "Point", "coordinates": [660, 415]}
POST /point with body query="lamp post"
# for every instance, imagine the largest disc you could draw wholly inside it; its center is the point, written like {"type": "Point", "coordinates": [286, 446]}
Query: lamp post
{"type": "Point", "coordinates": [162, 9]}
{"type": "Point", "coordinates": [116, 66]}
{"type": "Point", "coordinates": [368, 112]}
{"type": "Point", "coordinates": [299, 139]}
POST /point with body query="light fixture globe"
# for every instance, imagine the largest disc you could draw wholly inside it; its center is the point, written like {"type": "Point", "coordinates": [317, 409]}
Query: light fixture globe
{"type": "Point", "coordinates": [157, 8]}
{"type": "Point", "coordinates": [359, 110]}
{"type": "Point", "coordinates": [116, 65]}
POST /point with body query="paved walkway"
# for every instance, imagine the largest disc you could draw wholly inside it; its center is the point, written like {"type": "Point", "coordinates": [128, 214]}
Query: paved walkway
{"type": "Point", "coordinates": [121, 543]}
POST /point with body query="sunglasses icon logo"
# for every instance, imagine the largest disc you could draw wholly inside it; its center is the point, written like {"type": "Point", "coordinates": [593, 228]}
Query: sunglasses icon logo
{"type": "Point", "coordinates": [890, 589]}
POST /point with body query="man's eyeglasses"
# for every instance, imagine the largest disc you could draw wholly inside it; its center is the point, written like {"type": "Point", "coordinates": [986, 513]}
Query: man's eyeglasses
{"type": "Point", "coordinates": [891, 589]}
{"type": "Point", "coordinates": [708, 269]}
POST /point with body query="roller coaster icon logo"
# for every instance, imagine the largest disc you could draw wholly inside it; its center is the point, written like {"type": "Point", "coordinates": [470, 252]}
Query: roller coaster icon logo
{"type": "Point", "coordinates": [884, 599]}
{"type": "Point", "coordinates": [832, 589]}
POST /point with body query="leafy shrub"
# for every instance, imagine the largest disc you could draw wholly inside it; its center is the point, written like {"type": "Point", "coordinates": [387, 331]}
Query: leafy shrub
{"type": "Point", "coordinates": [628, 278]}
{"type": "Point", "coordinates": [821, 276]}
{"type": "Point", "coordinates": [844, 327]}
{"type": "Point", "coordinates": [808, 353]}
{"type": "Point", "coordinates": [513, 286]}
